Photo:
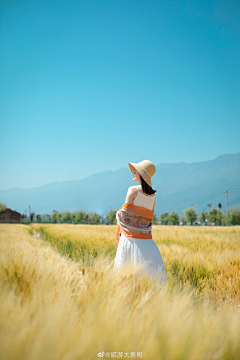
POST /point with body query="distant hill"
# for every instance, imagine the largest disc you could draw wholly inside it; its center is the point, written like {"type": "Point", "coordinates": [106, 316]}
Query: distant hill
{"type": "Point", "coordinates": [178, 185]}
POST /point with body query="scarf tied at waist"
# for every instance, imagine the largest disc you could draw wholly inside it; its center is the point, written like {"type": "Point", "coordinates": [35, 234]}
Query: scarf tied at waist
{"type": "Point", "coordinates": [134, 222]}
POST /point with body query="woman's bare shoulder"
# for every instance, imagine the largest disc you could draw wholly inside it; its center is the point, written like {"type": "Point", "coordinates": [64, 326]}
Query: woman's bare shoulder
{"type": "Point", "coordinates": [131, 194]}
{"type": "Point", "coordinates": [132, 189]}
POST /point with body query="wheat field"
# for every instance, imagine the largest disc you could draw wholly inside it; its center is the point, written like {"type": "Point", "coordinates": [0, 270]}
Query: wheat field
{"type": "Point", "coordinates": [62, 299]}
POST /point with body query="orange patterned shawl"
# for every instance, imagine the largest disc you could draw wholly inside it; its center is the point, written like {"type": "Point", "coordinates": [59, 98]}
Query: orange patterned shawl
{"type": "Point", "coordinates": [134, 222]}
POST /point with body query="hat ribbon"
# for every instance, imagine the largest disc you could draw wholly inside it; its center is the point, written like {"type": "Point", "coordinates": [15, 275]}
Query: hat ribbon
{"type": "Point", "coordinates": [145, 170]}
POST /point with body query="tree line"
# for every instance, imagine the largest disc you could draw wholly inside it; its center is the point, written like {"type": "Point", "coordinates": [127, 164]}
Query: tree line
{"type": "Point", "coordinates": [189, 215]}
{"type": "Point", "coordinates": [77, 217]}
{"type": "Point", "coordinates": [214, 216]}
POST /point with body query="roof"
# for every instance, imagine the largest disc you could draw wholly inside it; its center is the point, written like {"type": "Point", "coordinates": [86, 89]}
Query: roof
{"type": "Point", "coordinates": [9, 211]}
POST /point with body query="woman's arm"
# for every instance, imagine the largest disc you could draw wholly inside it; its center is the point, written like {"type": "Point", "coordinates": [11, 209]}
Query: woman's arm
{"type": "Point", "coordinates": [131, 194]}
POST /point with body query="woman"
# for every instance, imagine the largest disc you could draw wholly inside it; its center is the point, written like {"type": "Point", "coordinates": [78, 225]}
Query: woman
{"type": "Point", "coordinates": [134, 223]}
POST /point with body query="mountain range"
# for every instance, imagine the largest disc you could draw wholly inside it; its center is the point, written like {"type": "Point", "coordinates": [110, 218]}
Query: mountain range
{"type": "Point", "coordinates": [178, 186]}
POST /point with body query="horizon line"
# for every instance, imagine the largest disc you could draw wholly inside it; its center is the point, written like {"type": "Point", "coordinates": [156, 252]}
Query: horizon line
{"type": "Point", "coordinates": [169, 163]}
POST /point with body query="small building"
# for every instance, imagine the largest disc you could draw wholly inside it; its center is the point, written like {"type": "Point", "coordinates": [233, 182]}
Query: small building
{"type": "Point", "coordinates": [47, 217]}
{"type": "Point", "coordinates": [211, 223]}
{"type": "Point", "coordinates": [25, 219]}
{"type": "Point", "coordinates": [9, 216]}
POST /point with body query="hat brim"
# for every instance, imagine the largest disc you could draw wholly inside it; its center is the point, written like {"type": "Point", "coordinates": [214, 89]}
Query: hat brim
{"type": "Point", "coordinates": [132, 167]}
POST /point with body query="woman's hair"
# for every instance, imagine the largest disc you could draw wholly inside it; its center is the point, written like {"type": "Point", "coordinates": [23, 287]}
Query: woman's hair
{"type": "Point", "coordinates": [146, 188]}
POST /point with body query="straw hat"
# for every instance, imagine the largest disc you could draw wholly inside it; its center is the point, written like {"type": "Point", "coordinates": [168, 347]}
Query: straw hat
{"type": "Point", "coordinates": [145, 168]}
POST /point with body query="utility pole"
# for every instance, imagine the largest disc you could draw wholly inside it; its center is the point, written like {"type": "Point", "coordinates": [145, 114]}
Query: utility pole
{"type": "Point", "coordinates": [29, 212]}
{"type": "Point", "coordinates": [226, 199]}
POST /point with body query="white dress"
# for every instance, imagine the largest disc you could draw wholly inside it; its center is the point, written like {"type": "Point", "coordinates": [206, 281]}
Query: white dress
{"type": "Point", "coordinates": [141, 251]}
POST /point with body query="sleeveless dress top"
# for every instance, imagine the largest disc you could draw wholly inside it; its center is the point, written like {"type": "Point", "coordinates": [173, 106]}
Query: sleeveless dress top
{"type": "Point", "coordinates": [144, 200]}
{"type": "Point", "coordinates": [144, 251]}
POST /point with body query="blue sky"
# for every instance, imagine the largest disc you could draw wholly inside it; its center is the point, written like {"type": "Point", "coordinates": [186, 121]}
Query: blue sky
{"type": "Point", "coordinates": [86, 86]}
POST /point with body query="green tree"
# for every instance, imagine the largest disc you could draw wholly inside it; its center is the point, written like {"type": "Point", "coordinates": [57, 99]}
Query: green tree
{"type": "Point", "coordinates": [219, 217]}
{"type": "Point", "coordinates": [79, 216]}
{"type": "Point", "coordinates": [191, 214]}
{"type": "Point", "coordinates": [3, 206]}
{"type": "Point", "coordinates": [233, 217]}
{"type": "Point", "coordinates": [173, 218]}
{"type": "Point", "coordinates": [212, 215]}
{"type": "Point", "coordinates": [183, 218]}
{"type": "Point", "coordinates": [94, 218]}
{"type": "Point", "coordinates": [164, 217]}
{"type": "Point", "coordinates": [216, 216]}
{"type": "Point", "coordinates": [111, 216]}
{"type": "Point", "coordinates": [67, 217]}
{"type": "Point", "coordinates": [54, 216]}
{"type": "Point", "coordinates": [85, 218]}
{"type": "Point", "coordinates": [202, 217]}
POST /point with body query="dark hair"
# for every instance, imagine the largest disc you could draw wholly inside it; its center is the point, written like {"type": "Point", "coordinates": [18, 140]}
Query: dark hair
{"type": "Point", "coordinates": [146, 188]}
